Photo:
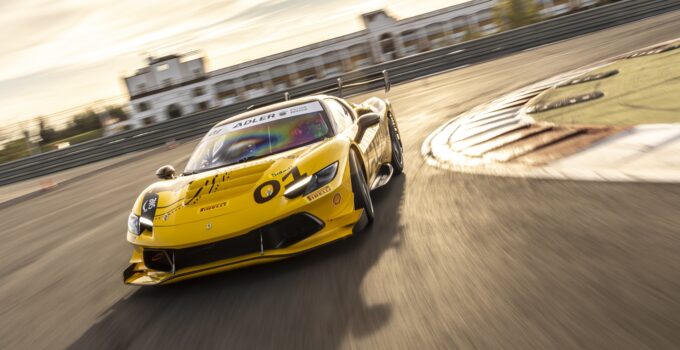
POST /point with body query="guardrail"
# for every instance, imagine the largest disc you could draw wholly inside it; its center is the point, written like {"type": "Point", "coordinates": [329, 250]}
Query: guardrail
{"type": "Point", "coordinates": [400, 70]}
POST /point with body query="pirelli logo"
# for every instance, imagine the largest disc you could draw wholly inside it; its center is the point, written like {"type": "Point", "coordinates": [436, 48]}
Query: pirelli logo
{"type": "Point", "coordinates": [214, 206]}
{"type": "Point", "coordinates": [315, 195]}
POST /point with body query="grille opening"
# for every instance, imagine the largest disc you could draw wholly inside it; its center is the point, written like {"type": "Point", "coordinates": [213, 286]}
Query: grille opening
{"type": "Point", "coordinates": [277, 235]}
{"type": "Point", "coordinates": [158, 259]}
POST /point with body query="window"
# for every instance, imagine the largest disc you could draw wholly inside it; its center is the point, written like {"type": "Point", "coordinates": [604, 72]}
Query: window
{"type": "Point", "coordinates": [359, 55]}
{"type": "Point", "coordinates": [198, 91]}
{"type": "Point", "coordinates": [306, 70]}
{"type": "Point", "coordinates": [202, 106]}
{"type": "Point", "coordinates": [487, 22]}
{"type": "Point", "coordinates": [436, 35]}
{"type": "Point", "coordinates": [256, 85]}
{"type": "Point", "coordinates": [225, 89]}
{"type": "Point", "coordinates": [148, 120]}
{"type": "Point", "coordinates": [259, 136]}
{"type": "Point", "coordinates": [226, 94]}
{"type": "Point", "coordinates": [342, 117]}
{"type": "Point", "coordinates": [386, 43]}
{"type": "Point", "coordinates": [281, 82]}
{"type": "Point", "coordinates": [410, 40]}
{"type": "Point", "coordinates": [143, 106]}
{"type": "Point", "coordinates": [141, 87]}
{"type": "Point", "coordinates": [332, 63]}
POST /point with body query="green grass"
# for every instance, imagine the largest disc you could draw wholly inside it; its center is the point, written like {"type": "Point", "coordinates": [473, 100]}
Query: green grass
{"type": "Point", "coordinates": [646, 90]}
{"type": "Point", "coordinates": [16, 149]}
{"type": "Point", "coordinates": [86, 136]}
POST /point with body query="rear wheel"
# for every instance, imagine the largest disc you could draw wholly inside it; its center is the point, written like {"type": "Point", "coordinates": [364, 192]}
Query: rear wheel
{"type": "Point", "coordinates": [362, 194]}
{"type": "Point", "coordinates": [397, 148]}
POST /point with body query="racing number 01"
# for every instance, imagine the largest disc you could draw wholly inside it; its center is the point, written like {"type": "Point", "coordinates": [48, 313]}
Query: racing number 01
{"type": "Point", "coordinates": [276, 186]}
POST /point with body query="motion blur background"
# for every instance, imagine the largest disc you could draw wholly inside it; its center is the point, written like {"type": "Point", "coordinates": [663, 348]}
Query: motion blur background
{"type": "Point", "coordinates": [71, 69]}
{"type": "Point", "coordinates": [96, 96]}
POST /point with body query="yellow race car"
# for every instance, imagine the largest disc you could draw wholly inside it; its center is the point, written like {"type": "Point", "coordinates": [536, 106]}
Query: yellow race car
{"type": "Point", "coordinates": [265, 185]}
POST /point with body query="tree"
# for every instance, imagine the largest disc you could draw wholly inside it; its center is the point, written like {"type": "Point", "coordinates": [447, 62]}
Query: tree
{"type": "Point", "coordinates": [116, 112]}
{"type": "Point", "coordinates": [47, 134]}
{"type": "Point", "coordinates": [14, 149]}
{"type": "Point", "coordinates": [516, 13]}
{"type": "Point", "coordinates": [85, 122]}
{"type": "Point", "coordinates": [470, 34]}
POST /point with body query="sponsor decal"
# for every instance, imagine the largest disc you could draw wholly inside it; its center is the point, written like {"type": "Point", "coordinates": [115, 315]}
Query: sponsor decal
{"type": "Point", "coordinates": [214, 206]}
{"type": "Point", "coordinates": [367, 140]}
{"type": "Point", "coordinates": [318, 193]}
{"type": "Point", "coordinates": [277, 173]}
{"type": "Point", "coordinates": [272, 187]}
{"type": "Point", "coordinates": [268, 117]}
{"type": "Point", "coordinates": [149, 204]}
{"type": "Point", "coordinates": [253, 121]}
{"type": "Point", "coordinates": [337, 198]}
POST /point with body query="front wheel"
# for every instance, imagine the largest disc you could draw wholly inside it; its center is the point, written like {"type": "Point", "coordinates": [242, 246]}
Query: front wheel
{"type": "Point", "coordinates": [362, 194]}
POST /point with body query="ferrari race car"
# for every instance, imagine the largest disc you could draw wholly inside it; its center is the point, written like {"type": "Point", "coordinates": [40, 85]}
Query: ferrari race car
{"type": "Point", "coordinates": [265, 185]}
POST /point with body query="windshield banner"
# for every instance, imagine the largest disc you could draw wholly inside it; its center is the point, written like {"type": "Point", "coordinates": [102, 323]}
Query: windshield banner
{"type": "Point", "coordinates": [293, 111]}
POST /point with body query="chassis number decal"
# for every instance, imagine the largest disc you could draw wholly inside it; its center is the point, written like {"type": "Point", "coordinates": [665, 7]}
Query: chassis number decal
{"type": "Point", "coordinates": [272, 187]}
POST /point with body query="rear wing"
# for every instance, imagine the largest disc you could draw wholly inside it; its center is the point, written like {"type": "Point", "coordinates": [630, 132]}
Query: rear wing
{"type": "Point", "coordinates": [342, 88]}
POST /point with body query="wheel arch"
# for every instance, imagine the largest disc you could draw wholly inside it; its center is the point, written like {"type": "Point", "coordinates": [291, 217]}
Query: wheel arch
{"type": "Point", "coordinates": [362, 161]}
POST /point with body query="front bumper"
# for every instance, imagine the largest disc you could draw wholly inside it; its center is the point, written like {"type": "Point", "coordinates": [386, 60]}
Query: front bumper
{"type": "Point", "coordinates": [280, 239]}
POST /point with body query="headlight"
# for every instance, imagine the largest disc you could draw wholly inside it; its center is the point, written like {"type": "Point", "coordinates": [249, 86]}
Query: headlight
{"type": "Point", "coordinates": [312, 183]}
{"type": "Point", "coordinates": [322, 177]}
{"type": "Point", "coordinates": [133, 224]}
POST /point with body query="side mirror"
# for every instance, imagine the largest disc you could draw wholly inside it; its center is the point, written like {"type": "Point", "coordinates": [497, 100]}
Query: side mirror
{"type": "Point", "coordinates": [364, 122]}
{"type": "Point", "coordinates": [166, 172]}
{"type": "Point", "coordinates": [388, 83]}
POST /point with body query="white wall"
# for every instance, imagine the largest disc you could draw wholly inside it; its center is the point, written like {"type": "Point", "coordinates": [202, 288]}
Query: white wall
{"type": "Point", "coordinates": [378, 23]}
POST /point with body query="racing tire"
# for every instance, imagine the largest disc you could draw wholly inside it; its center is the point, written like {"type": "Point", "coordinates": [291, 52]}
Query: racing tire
{"type": "Point", "coordinates": [362, 194]}
{"type": "Point", "coordinates": [397, 148]}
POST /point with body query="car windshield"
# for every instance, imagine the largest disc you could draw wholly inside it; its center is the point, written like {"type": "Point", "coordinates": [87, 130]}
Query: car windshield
{"type": "Point", "coordinates": [259, 136]}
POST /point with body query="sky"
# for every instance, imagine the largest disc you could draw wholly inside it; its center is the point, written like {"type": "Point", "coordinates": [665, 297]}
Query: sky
{"type": "Point", "coordinates": [59, 54]}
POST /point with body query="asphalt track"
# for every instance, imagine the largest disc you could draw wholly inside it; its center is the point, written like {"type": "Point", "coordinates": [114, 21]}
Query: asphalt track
{"type": "Point", "coordinates": [452, 261]}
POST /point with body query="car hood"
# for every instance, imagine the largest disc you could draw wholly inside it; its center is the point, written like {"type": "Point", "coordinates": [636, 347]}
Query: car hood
{"type": "Point", "coordinates": [219, 192]}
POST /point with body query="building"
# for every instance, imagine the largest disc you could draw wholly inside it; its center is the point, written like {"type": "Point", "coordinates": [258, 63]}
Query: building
{"type": "Point", "coordinates": [176, 85]}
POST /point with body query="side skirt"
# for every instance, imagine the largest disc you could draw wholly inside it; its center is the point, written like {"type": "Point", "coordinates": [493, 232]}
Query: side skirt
{"type": "Point", "coordinates": [384, 175]}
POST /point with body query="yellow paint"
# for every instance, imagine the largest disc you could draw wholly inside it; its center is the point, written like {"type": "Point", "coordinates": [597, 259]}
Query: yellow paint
{"type": "Point", "coordinates": [217, 205]}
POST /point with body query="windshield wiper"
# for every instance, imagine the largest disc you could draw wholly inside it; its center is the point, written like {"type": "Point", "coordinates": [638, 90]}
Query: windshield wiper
{"type": "Point", "coordinates": [239, 161]}
{"type": "Point", "coordinates": [248, 158]}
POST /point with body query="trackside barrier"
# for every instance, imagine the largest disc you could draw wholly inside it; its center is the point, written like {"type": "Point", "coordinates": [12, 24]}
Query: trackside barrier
{"type": "Point", "coordinates": [359, 81]}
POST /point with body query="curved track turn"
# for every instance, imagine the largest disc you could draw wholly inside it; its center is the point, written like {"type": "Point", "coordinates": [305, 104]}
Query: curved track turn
{"type": "Point", "coordinates": [452, 261]}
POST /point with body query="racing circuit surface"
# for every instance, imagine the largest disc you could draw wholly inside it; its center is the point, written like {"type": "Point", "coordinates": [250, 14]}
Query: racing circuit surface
{"type": "Point", "coordinates": [452, 261]}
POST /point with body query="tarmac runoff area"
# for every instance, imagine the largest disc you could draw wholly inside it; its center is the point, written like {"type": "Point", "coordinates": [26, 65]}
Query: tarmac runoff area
{"type": "Point", "coordinates": [25, 190]}
{"type": "Point", "coordinates": [451, 261]}
{"type": "Point", "coordinates": [614, 120]}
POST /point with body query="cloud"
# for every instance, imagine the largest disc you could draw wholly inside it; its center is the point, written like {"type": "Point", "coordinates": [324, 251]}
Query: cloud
{"type": "Point", "coordinates": [56, 48]}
